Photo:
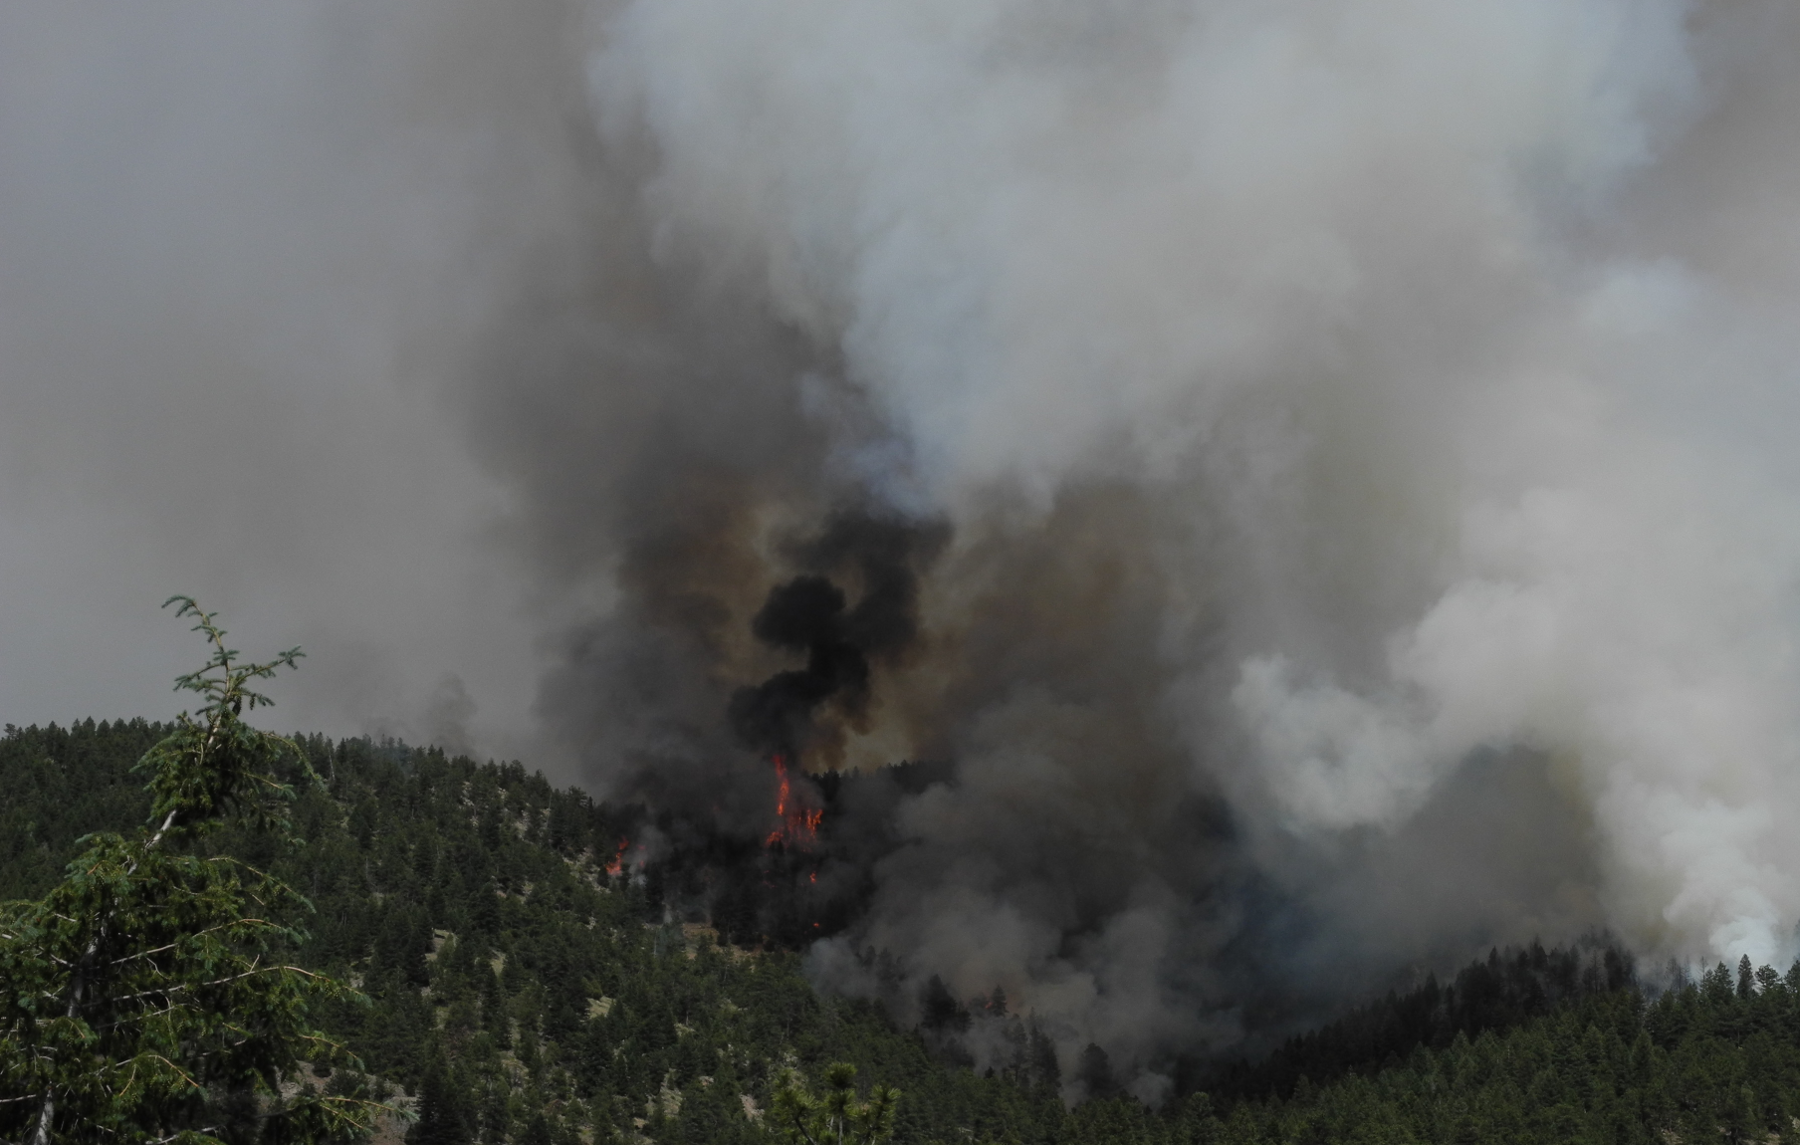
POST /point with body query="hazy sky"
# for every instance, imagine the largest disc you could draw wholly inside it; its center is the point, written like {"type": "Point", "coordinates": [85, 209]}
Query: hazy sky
{"type": "Point", "coordinates": [242, 253]}
{"type": "Point", "coordinates": [1351, 426]}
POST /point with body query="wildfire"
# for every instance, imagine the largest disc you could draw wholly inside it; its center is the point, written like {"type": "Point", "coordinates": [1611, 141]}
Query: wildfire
{"type": "Point", "coordinates": [617, 866]}
{"type": "Point", "coordinates": [800, 825]}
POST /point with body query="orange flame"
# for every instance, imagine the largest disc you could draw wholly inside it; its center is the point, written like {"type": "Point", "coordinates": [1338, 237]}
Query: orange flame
{"type": "Point", "coordinates": [618, 863]}
{"type": "Point", "coordinates": [800, 826]}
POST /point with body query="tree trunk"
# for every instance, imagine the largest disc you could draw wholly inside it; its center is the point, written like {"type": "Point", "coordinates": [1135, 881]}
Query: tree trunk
{"type": "Point", "coordinates": [40, 1135]}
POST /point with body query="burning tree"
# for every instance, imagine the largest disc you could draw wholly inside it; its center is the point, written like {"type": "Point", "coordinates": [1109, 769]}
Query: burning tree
{"type": "Point", "coordinates": [146, 998]}
{"type": "Point", "coordinates": [799, 827]}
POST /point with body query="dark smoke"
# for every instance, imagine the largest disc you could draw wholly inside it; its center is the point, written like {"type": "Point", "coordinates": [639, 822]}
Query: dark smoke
{"type": "Point", "coordinates": [808, 615]}
{"type": "Point", "coordinates": [1313, 480]}
{"type": "Point", "coordinates": [1224, 397]}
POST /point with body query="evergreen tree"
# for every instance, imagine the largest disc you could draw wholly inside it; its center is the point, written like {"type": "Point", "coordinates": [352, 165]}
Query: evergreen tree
{"type": "Point", "coordinates": [1041, 1064]}
{"type": "Point", "coordinates": [833, 1117]}
{"type": "Point", "coordinates": [939, 1009]}
{"type": "Point", "coordinates": [563, 1002]}
{"type": "Point", "coordinates": [148, 993]}
{"type": "Point", "coordinates": [537, 1130]}
{"type": "Point", "coordinates": [1096, 1073]}
{"type": "Point", "coordinates": [441, 1120]}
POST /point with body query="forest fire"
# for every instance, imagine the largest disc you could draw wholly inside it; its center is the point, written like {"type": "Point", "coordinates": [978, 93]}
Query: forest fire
{"type": "Point", "coordinates": [799, 828]}
{"type": "Point", "coordinates": [617, 865]}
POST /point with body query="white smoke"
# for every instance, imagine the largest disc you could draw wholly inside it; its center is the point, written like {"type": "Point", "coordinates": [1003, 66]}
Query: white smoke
{"type": "Point", "coordinates": [1425, 309]}
{"type": "Point", "coordinates": [1372, 417]}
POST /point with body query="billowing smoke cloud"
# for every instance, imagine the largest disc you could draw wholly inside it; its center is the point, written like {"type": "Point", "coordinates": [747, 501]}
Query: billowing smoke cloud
{"type": "Point", "coordinates": [1322, 403]}
{"type": "Point", "coordinates": [809, 615]}
{"type": "Point", "coordinates": [1313, 477]}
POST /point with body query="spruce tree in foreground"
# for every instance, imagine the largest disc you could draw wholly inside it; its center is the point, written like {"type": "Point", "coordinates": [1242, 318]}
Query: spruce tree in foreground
{"type": "Point", "coordinates": [147, 998]}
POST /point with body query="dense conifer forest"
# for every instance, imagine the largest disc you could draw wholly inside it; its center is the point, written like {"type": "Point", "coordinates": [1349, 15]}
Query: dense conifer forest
{"type": "Point", "coordinates": [519, 991]}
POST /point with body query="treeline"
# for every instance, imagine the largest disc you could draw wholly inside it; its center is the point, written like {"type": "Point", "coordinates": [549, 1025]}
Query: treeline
{"type": "Point", "coordinates": [1507, 990]}
{"type": "Point", "coordinates": [1714, 1061]}
{"type": "Point", "coordinates": [58, 784]}
{"type": "Point", "coordinates": [519, 992]}
{"type": "Point", "coordinates": [516, 990]}
{"type": "Point", "coordinates": [528, 995]}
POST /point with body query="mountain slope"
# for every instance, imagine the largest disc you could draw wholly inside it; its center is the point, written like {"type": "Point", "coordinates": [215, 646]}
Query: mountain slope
{"type": "Point", "coordinates": [521, 991]}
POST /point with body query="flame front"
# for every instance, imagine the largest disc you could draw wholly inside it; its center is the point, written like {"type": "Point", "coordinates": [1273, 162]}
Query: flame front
{"type": "Point", "coordinates": [799, 825]}
{"type": "Point", "coordinates": [617, 866]}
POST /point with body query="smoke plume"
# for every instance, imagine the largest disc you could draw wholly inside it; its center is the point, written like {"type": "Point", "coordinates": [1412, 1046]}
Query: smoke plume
{"type": "Point", "coordinates": [1348, 428]}
{"type": "Point", "coordinates": [808, 615]}
{"type": "Point", "coordinates": [1312, 480]}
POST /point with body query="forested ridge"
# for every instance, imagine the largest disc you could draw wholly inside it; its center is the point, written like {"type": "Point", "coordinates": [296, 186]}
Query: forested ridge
{"type": "Point", "coordinates": [520, 992]}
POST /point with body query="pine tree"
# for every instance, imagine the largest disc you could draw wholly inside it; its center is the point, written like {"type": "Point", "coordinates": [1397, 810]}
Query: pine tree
{"type": "Point", "coordinates": [939, 1008]}
{"type": "Point", "coordinates": [1041, 1064]}
{"type": "Point", "coordinates": [146, 997]}
{"type": "Point", "coordinates": [441, 1120]}
{"type": "Point", "coordinates": [833, 1117]}
{"type": "Point", "coordinates": [1096, 1072]}
{"type": "Point", "coordinates": [537, 1130]}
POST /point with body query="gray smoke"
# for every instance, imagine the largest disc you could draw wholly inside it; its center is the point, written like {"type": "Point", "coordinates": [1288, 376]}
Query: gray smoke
{"type": "Point", "coordinates": [1321, 401]}
{"type": "Point", "coordinates": [240, 253]}
{"type": "Point", "coordinates": [1345, 445]}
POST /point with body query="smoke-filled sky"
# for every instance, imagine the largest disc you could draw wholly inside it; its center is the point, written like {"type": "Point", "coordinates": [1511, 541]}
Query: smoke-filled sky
{"type": "Point", "coordinates": [1320, 473]}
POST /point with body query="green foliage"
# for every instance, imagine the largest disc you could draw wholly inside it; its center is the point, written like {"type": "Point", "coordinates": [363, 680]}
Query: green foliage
{"type": "Point", "coordinates": [549, 988]}
{"type": "Point", "coordinates": [60, 784]}
{"type": "Point", "coordinates": [1696, 1064]}
{"type": "Point", "coordinates": [521, 994]}
{"type": "Point", "coordinates": [1501, 992]}
{"type": "Point", "coordinates": [148, 996]}
{"type": "Point", "coordinates": [553, 991]}
{"type": "Point", "coordinates": [833, 1116]}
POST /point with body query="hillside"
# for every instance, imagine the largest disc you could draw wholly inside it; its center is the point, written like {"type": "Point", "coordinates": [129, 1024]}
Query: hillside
{"type": "Point", "coordinates": [521, 991]}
